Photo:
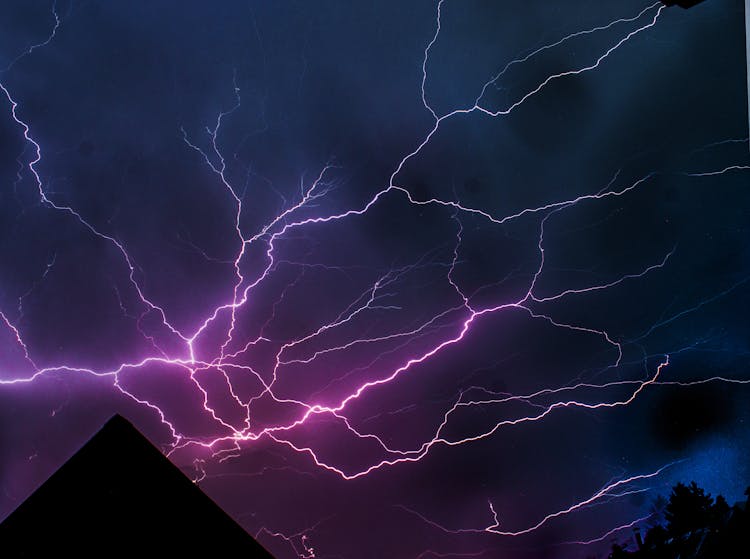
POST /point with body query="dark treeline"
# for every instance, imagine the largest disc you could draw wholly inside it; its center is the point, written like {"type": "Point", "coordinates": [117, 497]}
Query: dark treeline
{"type": "Point", "coordinates": [693, 525]}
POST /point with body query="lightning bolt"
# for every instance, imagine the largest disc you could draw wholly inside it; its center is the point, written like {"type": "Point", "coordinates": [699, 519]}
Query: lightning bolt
{"type": "Point", "coordinates": [221, 346]}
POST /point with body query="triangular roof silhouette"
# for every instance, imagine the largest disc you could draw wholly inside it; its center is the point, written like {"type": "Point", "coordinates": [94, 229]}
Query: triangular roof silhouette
{"type": "Point", "coordinates": [119, 495]}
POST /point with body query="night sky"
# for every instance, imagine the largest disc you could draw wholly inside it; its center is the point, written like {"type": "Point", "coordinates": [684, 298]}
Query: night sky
{"type": "Point", "coordinates": [387, 279]}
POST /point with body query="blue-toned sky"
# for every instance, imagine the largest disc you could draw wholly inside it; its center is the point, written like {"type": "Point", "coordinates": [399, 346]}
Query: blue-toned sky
{"type": "Point", "coordinates": [387, 279]}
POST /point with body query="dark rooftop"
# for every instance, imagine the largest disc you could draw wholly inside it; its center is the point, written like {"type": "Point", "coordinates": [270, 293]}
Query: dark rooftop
{"type": "Point", "coordinates": [119, 495]}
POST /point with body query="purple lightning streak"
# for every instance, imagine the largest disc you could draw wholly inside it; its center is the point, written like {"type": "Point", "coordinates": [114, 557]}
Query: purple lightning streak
{"type": "Point", "coordinates": [702, 303]}
{"type": "Point", "coordinates": [414, 455]}
{"type": "Point", "coordinates": [720, 172]}
{"type": "Point", "coordinates": [477, 108]}
{"type": "Point", "coordinates": [240, 296]}
{"type": "Point", "coordinates": [31, 166]}
{"type": "Point", "coordinates": [411, 345]}
{"type": "Point", "coordinates": [33, 47]}
{"type": "Point", "coordinates": [18, 339]}
{"type": "Point", "coordinates": [610, 533]}
{"type": "Point", "coordinates": [300, 542]}
{"type": "Point", "coordinates": [513, 106]}
{"type": "Point", "coordinates": [614, 283]}
{"type": "Point", "coordinates": [494, 527]}
{"type": "Point", "coordinates": [35, 285]}
{"type": "Point", "coordinates": [533, 53]}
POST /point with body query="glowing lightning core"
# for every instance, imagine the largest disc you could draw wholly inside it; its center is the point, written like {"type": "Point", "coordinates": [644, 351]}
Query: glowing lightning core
{"type": "Point", "coordinates": [230, 353]}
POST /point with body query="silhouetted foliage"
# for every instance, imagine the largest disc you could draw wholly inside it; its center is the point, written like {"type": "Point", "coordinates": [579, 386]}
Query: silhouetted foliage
{"type": "Point", "coordinates": [696, 526]}
{"type": "Point", "coordinates": [656, 538]}
{"type": "Point", "coordinates": [719, 513]}
{"type": "Point", "coordinates": [657, 510]}
{"type": "Point", "coordinates": [618, 552]}
{"type": "Point", "coordinates": [688, 509]}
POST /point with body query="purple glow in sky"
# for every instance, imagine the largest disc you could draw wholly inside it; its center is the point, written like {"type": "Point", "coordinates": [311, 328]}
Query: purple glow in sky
{"type": "Point", "coordinates": [427, 281]}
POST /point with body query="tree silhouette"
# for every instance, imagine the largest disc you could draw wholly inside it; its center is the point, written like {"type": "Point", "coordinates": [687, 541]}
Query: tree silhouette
{"type": "Point", "coordinates": [719, 513]}
{"type": "Point", "coordinates": [618, 552]}
{"type": "Point", "coordinates": [656, 539]}
{"type": "Point", "coordinates": [696, 526]}
{"type": "Point", "coordinates": [657, 509]}
{"type": "Point", "coordinates": [688, 509]}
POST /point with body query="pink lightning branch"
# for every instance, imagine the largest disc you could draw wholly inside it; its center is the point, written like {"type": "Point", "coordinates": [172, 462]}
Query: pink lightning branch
{"type": "Point", "coordinates": [239, 377]}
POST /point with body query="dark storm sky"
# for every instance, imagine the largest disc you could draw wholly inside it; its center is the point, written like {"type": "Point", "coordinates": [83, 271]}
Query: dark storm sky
{"type": "Point", "coordinates": [124, 102]}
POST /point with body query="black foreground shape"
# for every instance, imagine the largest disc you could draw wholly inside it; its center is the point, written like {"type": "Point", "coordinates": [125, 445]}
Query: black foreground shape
{"type": "Point", "coordinates": [682, 3]}
{"type": "Point", "coordinates": [120, 496]}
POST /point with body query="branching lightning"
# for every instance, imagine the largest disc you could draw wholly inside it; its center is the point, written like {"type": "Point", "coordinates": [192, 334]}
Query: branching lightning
{"type": "Point", "coordinates": [412, 344]}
